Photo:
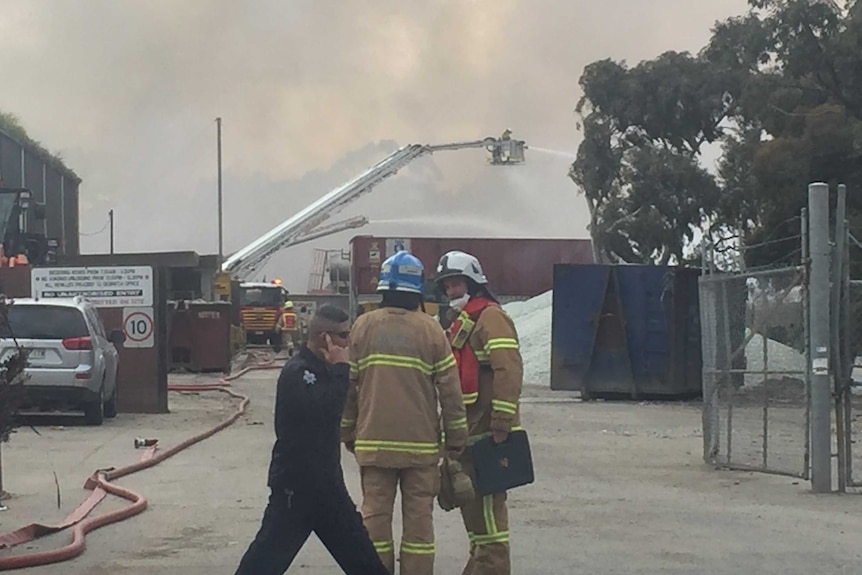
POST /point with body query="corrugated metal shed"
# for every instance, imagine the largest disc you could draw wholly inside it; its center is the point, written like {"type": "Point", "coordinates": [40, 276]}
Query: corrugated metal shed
{"type": "Point", "coordinates": [25, 165]}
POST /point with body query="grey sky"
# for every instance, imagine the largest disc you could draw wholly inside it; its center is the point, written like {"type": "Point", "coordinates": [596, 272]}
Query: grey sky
{"type": "Point", "coordinates": [313, 92]}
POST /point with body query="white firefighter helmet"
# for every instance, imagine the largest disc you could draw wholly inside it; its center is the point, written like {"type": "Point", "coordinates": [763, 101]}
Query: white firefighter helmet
{"type": "Point", "coordinates": [457, 263]}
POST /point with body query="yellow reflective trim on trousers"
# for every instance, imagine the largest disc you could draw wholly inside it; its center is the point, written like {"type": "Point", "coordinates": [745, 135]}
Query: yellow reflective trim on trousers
{"type": "Point", "coordinates": [347, 422]}
{"type": "Point", "coordinates": [501, 343]}
{"type": "Point", "coordinates": [504, 406]}
{"type": "Point", "coordinates": [457, 424]}
{"type": "Point", "coordinates": [399, 446]}
{"type": "Point", "coordinates": [384, 546]}
{"type": "Point", "coordinates": [499, 537]}
{"type": "Point", "coordinates": [471, 398]}
{"type": "Point", "coordinates": [488, 513]}
{"type": "Point", "coordinates": [389, 360]}
{"type": "Point", "coordinates": [474, 438]}
{"type": "Point", "coordinates": [418, 548]}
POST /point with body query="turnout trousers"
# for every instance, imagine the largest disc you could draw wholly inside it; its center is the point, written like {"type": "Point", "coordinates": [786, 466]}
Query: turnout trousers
{"type": "Point", "coordinates": [486, 519]}
{"type": "Point", "coordinates": [419, 487]}
{"type": "Point", "coordinates": [291, 517]}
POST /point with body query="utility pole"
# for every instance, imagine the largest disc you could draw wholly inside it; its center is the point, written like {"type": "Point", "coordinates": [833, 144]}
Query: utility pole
{"type": "Point", "coordinates": [111, 222]}
{"type": "Point", "coordinates": [821, 382]}
{"type": "Point", "coordinates": [220, 216]}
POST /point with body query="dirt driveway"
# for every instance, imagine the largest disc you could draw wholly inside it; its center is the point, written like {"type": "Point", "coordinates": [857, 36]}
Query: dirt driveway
{"type": "Point", "coordinates": [620, 489]}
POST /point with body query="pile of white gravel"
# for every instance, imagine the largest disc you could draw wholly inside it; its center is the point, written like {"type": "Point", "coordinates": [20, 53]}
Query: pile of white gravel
{"type": "Point", "coordinates": [779, 357]}
{"type": "Point", "coordinates": [533, 321]}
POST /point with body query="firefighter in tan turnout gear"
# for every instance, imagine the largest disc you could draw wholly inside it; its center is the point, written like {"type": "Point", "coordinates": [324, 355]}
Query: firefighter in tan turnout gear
{"type": "Point", "coordinates": [485, 344]}
{"type": "Point", "coordinates": [402, 366]}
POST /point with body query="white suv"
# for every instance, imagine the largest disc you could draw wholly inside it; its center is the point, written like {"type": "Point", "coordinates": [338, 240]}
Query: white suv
{"type": "Point", "coordinates": [72, 362]}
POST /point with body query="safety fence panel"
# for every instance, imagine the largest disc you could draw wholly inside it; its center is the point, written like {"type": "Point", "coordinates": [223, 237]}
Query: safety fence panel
{"type": "Point", "coordinates": [756, 405]}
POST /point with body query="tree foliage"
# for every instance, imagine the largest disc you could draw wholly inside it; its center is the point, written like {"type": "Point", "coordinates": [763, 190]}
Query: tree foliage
{"type": "Point", "coordinates": [779, 89]}
{"type": "Point", "coordinates": [10, 124]}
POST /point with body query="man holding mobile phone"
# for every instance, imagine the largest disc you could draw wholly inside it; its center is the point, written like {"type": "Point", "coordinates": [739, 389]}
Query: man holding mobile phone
{"type": "Point", "coordinates": [308, 493]}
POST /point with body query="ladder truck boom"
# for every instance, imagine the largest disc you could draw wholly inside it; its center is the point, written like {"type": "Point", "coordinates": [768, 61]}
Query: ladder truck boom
{"type": "Point", "coordinates": [307, 224]}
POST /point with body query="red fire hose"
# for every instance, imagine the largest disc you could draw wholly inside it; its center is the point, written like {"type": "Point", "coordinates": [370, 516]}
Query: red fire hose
{"type": "Point", "coordinates": [100, 484]}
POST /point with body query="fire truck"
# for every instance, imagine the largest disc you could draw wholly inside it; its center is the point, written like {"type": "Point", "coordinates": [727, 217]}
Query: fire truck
{"type": "Point", "coordinates": [261, 304]}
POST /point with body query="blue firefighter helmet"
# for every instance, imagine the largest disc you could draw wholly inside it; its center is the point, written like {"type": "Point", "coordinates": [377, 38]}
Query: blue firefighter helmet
{"type": "Point", "coordinates": [402, 272]}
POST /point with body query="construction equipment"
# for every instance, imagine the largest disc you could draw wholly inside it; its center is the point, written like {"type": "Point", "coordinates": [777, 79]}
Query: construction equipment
{"type": "Point", "coordinates": [307, 224]}
{"type": "Point", "coordinates": [19, 246]}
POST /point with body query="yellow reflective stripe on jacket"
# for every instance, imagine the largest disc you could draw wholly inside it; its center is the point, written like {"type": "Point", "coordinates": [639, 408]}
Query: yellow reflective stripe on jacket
{"type": "Point", "coordinates": [445, 364]}
{"type": "Point", "coordinates": [419, 448]}
{"type": "Point", "coordinates": [412, 548]}
{"type": "Point", "coordinates": [354, 369]}
{"type": "Point", "coordinates": [501, 343]}
{"type": "Point", "coordinates": [347, 422]}
{"type": "Point", "coordinates": [406, 361]}
{"type": "Point", "coordinates": [457, 424]}
{"type": "Point", "coordinates": [391, 360]}
{"type": "Point", "coordinates": [482, 355]}
{"type": "Point", "coordinates": [471, 398]}
{"type": "Point", "coordinates": [504, 406]}
{"type": "Point", "coordinates": [474, 438]}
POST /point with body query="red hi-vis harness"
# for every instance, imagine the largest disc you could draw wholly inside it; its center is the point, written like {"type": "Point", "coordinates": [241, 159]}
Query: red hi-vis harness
{"type": "Point", "coordinates": [289, 319]}
{"type": "Point", "coordinates": [459, 333]}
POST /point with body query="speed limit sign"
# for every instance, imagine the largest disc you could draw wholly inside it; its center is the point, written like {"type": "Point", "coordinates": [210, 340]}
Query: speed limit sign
{"type": "Point", "coordinates": [139, 327]}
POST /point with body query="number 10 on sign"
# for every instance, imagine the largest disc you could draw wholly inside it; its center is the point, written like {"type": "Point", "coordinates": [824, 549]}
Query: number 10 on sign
{"type": "Point", "coordinates": [139, 327]}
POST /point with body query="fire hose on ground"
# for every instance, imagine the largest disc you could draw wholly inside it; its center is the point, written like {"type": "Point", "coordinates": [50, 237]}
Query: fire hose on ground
{"type": "Point", "coordinates": [100, 483]}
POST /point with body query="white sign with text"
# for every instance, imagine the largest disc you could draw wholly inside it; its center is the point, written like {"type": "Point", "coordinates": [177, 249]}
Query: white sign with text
{"type": "Point", "coordinates": [115, 286]}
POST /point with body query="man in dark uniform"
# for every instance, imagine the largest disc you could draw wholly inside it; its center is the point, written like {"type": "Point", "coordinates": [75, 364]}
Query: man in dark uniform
{"type": "Point", "coordinates": [305, 477]}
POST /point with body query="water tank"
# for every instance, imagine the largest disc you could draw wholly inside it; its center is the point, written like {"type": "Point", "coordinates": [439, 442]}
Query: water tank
{"type": "Point", "coordinates": [339, 271]}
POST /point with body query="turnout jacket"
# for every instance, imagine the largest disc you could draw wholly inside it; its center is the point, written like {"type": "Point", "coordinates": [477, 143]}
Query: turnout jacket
{"type": "Point", "coordinates": [495, 407]}
{"type": "Point", "coordinates": [401, 368]}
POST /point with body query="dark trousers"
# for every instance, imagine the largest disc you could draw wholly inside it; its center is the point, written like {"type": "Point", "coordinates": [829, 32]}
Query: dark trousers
{"type": "Point", "coordinates": [291, 517]}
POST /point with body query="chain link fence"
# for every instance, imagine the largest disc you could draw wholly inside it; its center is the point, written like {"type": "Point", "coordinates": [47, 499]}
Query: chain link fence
{"type": "Point", "coordinates": [849, 393]}
{"type": "Point", "coordinates": [756, 388]}
{"type": "Point", "coordinates": [848, 378]}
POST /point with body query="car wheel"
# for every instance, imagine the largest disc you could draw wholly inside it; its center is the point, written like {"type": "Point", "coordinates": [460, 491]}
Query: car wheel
{"type": "Point", "coordinates": [94, 413]}
{"type": "Point", "coordinates": [110, 406]}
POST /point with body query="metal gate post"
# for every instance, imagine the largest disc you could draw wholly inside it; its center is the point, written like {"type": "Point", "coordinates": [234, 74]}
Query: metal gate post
{"type": "Point", "coordinates": [821, 420]}
{"type": "Point", "coordinates": [836, 358]}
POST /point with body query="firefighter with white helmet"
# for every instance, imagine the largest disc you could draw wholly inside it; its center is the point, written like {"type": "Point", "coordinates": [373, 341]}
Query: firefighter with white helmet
{"type": "Point", "coordinates": [402, 366]}
{"type": "Point", "coordinates": [485, 344]}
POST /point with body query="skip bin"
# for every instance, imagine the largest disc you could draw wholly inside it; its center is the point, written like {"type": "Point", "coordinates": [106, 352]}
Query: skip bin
{"type": "Point", "coordinates": [210, 336]}
{"type": "Point", "coordinates": [627, 331]}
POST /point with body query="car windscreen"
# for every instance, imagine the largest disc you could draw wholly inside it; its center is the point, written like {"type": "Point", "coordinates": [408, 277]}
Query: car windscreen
{"type": "Point", "coordinates": [261, 297]}
{"type": "Point", "coordinates": [44, 322]}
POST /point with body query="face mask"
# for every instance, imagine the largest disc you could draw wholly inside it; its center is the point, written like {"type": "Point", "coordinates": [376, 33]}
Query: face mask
{"type": "Point", "coordinates": [459, 303]}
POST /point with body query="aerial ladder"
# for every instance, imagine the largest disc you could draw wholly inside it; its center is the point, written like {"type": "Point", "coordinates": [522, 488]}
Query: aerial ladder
{"type": "Point", "coordinates": [310, 223]}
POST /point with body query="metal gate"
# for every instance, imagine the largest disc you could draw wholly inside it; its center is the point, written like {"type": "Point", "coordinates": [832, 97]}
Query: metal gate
{"type": "Point", "coordinates": [847, 345]}
{"type": "Point", "coordinates": [756, 379]}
